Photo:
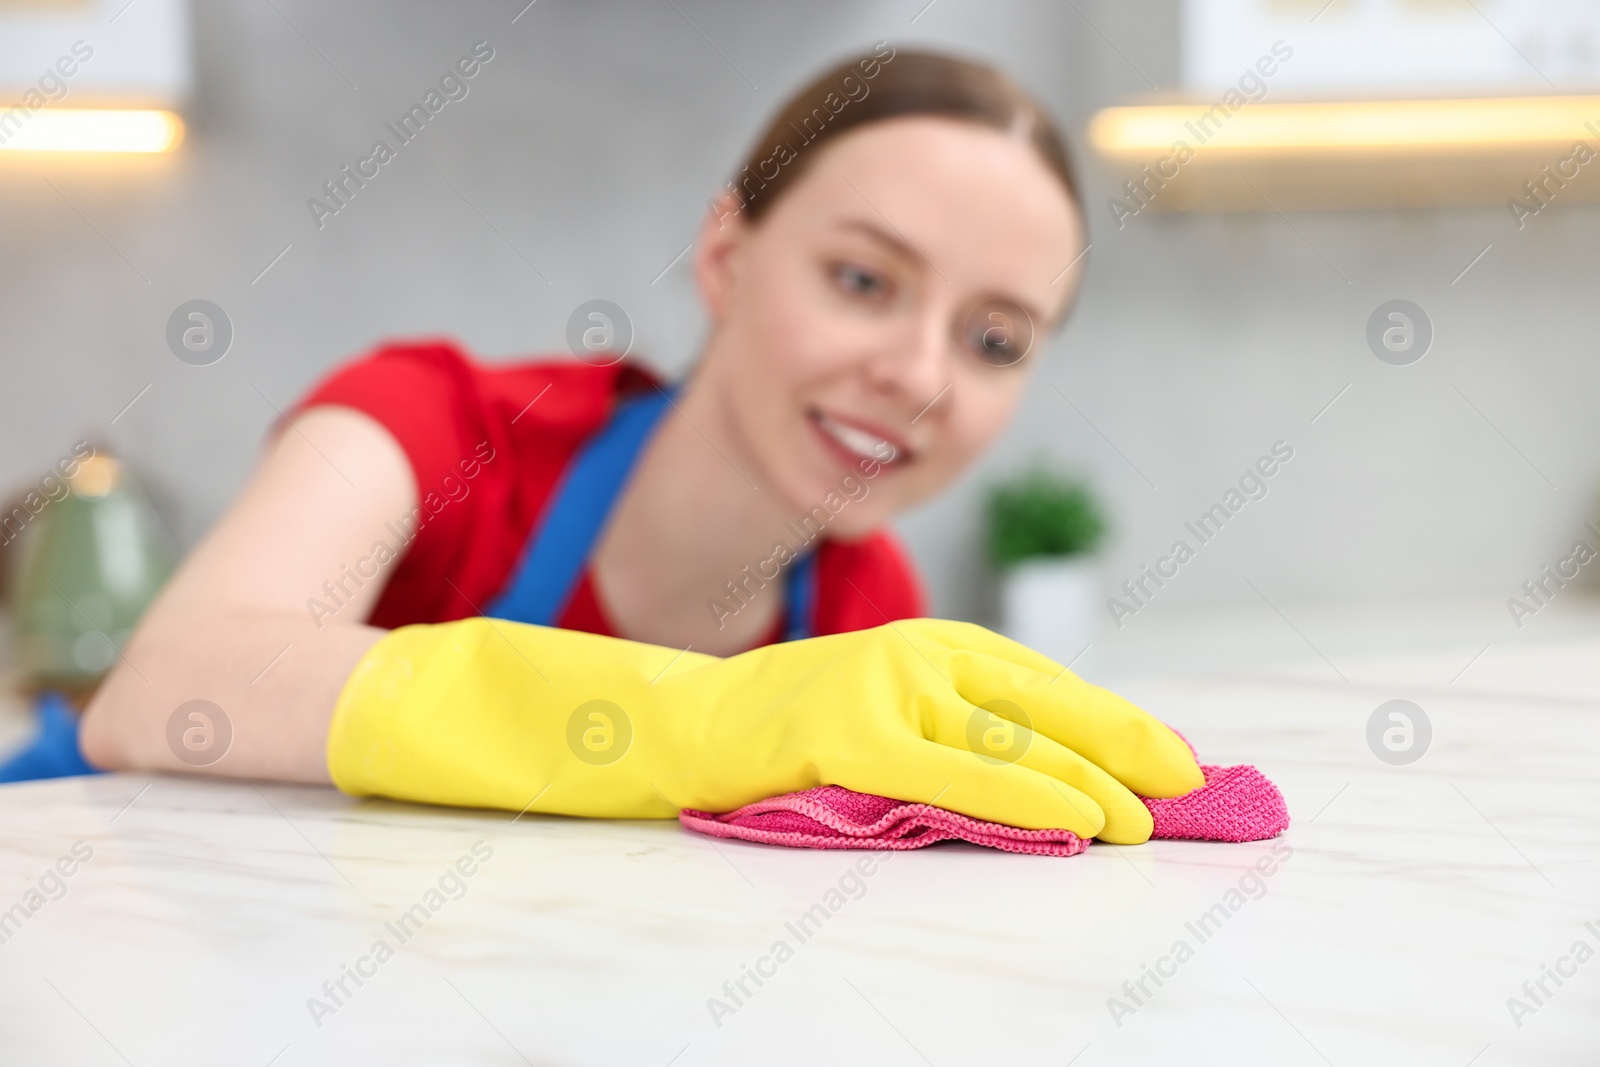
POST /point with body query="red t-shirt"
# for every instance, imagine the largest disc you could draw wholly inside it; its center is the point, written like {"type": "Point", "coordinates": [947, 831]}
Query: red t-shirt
{"type": "Point", "coordinates": [487, 444]}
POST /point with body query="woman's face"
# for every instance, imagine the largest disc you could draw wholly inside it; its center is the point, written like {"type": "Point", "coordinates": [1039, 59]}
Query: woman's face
{"type": "Point", "coordinates": [874, 332]}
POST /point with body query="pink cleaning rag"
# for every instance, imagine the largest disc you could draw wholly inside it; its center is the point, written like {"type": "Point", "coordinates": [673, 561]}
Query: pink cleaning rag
{"type": "Point", "coordinates": [1235, 804]}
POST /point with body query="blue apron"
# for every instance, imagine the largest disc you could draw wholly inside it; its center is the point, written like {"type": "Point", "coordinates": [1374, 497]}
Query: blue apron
{"type": "Point", "coordinates": [580, 504]}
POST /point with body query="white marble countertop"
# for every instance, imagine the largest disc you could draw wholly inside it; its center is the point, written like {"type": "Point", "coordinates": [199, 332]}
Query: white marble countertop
{"type": "Point", "coordinates": [1416, 900]}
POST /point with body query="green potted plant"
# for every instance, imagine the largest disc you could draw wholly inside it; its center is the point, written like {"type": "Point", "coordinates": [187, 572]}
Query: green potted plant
{"type": "Point", "coordinates": [1043, 528]}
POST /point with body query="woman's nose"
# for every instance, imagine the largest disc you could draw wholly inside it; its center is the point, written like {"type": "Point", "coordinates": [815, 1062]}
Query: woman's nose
{"type": "Point", "coordinates": [916, 364]}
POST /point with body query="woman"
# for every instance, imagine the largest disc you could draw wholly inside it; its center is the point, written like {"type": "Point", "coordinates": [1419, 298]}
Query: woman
{"type": "Point", "coordinates": [874, 275]}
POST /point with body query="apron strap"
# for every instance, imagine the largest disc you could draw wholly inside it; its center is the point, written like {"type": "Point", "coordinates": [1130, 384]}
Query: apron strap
{"type": "Point", "coordinates": [580, 504]}
{"type": "Point", "coordinates": [559, 547]}
{"type": "Point", "coordinates": [800, 596]}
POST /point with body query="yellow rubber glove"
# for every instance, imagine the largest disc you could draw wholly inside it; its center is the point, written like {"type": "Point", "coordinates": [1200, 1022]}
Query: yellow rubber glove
{"type": "Point", "coordinates": [488, 713]}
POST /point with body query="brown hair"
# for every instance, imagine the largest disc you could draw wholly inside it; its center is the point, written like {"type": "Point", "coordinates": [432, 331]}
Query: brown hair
{"type": "Point", "coordinates": [885, 84]}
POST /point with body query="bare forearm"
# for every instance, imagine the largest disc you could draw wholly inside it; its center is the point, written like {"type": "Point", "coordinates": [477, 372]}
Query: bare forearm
{"type": "Point", "coordinates": [230, 628]}
{"type": "Point", "coordinates": [273, 677]}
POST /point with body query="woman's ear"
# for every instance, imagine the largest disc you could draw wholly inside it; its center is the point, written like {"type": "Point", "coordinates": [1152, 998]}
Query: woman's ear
{"type": "Point", "coordinates": [721, 233]}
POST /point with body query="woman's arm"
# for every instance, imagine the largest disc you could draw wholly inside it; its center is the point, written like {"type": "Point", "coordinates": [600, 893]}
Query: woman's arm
{"type": "Point", "coordinates": [233, 626]}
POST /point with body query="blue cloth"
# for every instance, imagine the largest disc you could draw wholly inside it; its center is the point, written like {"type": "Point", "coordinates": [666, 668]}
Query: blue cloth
{"type": "Point", "coordinates": [53, 752]}
{"type": "Point", "coordinates": [581, 502]}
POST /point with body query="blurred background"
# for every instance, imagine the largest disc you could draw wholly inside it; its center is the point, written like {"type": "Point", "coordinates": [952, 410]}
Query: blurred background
{"type": "Point", "coordinates": [1440, 459]}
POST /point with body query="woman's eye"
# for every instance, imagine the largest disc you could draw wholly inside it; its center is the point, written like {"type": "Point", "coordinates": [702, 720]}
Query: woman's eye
{"type": "Point", "coordinates": [999, 333]}
{"type": "Point", "coordinates": [858, 281]}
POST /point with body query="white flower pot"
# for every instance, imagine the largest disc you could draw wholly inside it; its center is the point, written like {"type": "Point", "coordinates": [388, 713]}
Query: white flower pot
{"type": "Point", "coordinates": [1052, 604]}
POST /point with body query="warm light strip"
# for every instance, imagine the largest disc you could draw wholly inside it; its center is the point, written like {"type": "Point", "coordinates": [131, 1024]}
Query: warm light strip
{"type": "Point", "coordinates": [1379, 125]}
{"type": "Point", "coordinates": [84, 130]}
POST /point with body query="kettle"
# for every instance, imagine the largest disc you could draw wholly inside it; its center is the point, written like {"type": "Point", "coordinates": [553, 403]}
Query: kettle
{"type": "Point", "coordinates": [85, 566]}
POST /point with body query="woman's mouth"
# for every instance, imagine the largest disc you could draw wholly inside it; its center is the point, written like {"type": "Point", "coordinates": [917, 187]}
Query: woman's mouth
{"type": "Point", "coordinates": [855, 443]}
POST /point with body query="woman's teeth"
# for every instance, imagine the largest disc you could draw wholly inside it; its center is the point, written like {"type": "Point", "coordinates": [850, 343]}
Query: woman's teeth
{"type": "Point", "coordinates": [862, 443]}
